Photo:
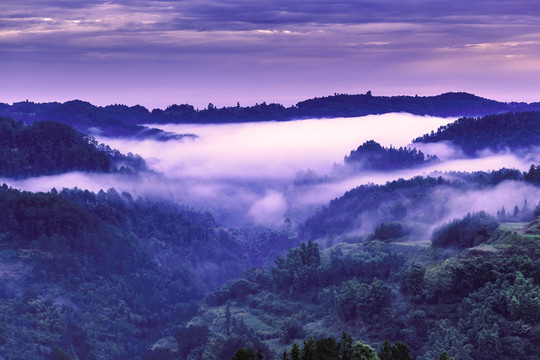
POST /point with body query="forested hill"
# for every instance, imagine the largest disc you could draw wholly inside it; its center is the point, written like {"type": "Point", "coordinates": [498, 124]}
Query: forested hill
{"type": "Point", "coordinates": [480, 302]}
{"type": "Point", "coordinates": [46, 148]}
{"type": "Point", "coordinates": [100, 276]}
{"type": "Point", "coordinates": [113, 120]}
{"type": "Point", "coordinates": [372, 156]}
{"type": "Point", "coordinates": [121, 120]}
{"type": "Point", "coordinates": [514, 130]}
{"type": "Point", "coordinates": [410, 205]}
{"type": "Point", "coordinates": [50, 147]}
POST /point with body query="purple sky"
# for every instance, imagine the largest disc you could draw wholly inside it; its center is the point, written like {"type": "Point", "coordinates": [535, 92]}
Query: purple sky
{"type": "Point", "coordinates": [157, 53]}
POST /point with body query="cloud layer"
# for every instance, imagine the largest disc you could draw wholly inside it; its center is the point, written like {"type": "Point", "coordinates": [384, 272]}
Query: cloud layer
{"type": "Point", "coordinates": [162, 52]}
{"type": "Point", "coordinates": [245, 172]}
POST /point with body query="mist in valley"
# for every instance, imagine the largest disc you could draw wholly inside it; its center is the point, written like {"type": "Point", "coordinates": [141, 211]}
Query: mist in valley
{"type": "Point", "coordinates": [262, 173]}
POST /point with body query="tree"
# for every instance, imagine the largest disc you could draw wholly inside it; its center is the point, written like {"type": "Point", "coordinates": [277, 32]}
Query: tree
{"type": "Point", "coordinates": [363, 351]}
{"type": "Point", "coordinates": [244, 354]}
{"type": "Point", "coordinates": [327, 349]}
{"type": "Point", "coordinates": [398, 351]}
{"type": "Point", "coordinates": [309, 351]}
{"type": "Point", "coordinates": [444, 356]}
{"type": "Point", "coordinates": [385, 352]}
{"type": "Point", "coordinates": [346, 347]}
{"type": "Point", "coordinates": [228, 320]}
{"type": "Point", "coordinates": [295, 352]}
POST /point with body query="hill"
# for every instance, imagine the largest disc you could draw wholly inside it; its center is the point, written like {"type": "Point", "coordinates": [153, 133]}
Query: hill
{"type": "Point", "coordinates": [372, 156]}
{"type": "Point", "coordinates": [103, 275]}
{"type": "Point", "coordinates": [480, 302]}
{"type": "Point", "coordinates": [514, 130]}
{"type": "Point", "coordinates": [121, 120]}
{"type": "Point", "coordinates": [50, 147]}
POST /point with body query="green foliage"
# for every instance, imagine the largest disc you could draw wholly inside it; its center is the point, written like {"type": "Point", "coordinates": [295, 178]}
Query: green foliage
{"type": "Point", "coordinates": [413, 280]}
{"type": "Point", "coordinates": [363, 351]}
{"type": "Point", "coordinates": [467, 232]}
{"type": "Point", "coordinates": [298, 271]}
{"type": "Point", "coordinates": [244, 354]}
{"type": "Point", "coordinates": [372, 156]}
{"type": "Point", "coordinates": [390, 230]}
{"type": "Point", "coordinates": [512, 130]}
{"type": "Point", "coordinates": [355, 300]}
{"type": "Point", "coordinates": [46, 148]}
{"type": "Point", "coordinates": [398, 351]}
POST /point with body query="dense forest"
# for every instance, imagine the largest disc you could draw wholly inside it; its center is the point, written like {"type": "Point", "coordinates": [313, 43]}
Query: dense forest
{"type": "Point", "coordinates": [420, 201]}
{"type": "Point", "coordinates": [46, 148]}
{"type": "Point", "coordinates": [101, 275]}
{"type": "Point", "coordinates": [514, 130]}
{"type": "Point", "coordinates": [105, 275]}
{"type": "Point", "coordinates": [479, 302]}
{"type": "Point", "coordinates": [121, 120]}
{"type": "Point", "coordinates": [372, 156]}
{"type": "Point", "coordinates": [50, 147]}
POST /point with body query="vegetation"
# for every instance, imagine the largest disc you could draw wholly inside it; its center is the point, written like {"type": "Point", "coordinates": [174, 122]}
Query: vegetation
{"type": "Point", "coordinates": [470, 231]}
{"type": "Point", "coordinates": [475, 303]}
{"type": "Point", "coordinates": [101, 275]}
{"type": "Point", "coordinates": [46, 148]}
{"type": "Point", "coordinates": [419, 201]}
{"type": "Point", "coordinates": [121, 120]}
{"type": "Point", "coordinates": [49, 147]}
{"type": "Point", "coordinates": [513, 130]}
{"type": "Point", "coordinates": [372, 156]}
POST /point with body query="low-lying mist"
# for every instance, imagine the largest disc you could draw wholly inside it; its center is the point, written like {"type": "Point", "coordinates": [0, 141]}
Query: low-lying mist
{"type": "Point", "coordinates": [244, 173]}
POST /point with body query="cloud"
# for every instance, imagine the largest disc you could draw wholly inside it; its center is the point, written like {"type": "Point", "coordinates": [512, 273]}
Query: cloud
{"type": "Point", "coordinates": [244, 172]}
{"type": "Point", "coordinates": [272, 149]}
{"type": "Point", "coordinates": [270, 210]}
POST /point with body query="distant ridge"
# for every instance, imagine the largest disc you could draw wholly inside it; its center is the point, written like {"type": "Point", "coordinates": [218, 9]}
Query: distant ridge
{"type": "Point", "coordinates": [121, 120]}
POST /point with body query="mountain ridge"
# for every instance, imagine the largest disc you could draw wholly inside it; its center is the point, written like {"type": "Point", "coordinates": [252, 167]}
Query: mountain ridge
{"type": "Point", "coordinates": [122, 120]}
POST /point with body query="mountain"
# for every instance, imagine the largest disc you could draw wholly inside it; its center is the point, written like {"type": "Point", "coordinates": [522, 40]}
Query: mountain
{"type": "Point", "coordinates": [121, 120]}
{"type": "Point", "coordinates": [496, 132]}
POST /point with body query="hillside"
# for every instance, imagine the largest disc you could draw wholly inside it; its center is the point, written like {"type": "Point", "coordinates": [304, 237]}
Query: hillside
{"type": "Point", "coordinates": [481, 302]}
{"type": "Point", "coordinates": [514, 130]}
{"type": "Point", "coordinates": [50, 147]}
{"type": "Point", "coordinates": [121, 120]}
{"type": "Point", "coordinates": [419, 202]}
{"type": "Point", "coordinates": [102, 275]}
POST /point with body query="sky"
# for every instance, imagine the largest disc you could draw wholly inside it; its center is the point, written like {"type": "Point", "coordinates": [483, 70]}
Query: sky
{"type": "Point", "coordinates": [160, 52]}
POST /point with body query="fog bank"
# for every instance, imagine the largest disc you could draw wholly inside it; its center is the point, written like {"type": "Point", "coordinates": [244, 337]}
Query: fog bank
{"type": "Point", "coordinates": [244, 172]}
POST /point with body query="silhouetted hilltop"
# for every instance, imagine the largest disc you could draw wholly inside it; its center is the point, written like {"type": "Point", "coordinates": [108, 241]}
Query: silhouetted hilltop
{"type": "Point", "coordinates": [372, 156]}
{"type": "Point", "coordinates": [121, 120]}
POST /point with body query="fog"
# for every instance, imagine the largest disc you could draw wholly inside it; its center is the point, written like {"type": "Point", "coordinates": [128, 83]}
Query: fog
{"type": "Point", "coordinates": [273, 149]}
{"type": "Point", "coordinates": [244, 173]}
